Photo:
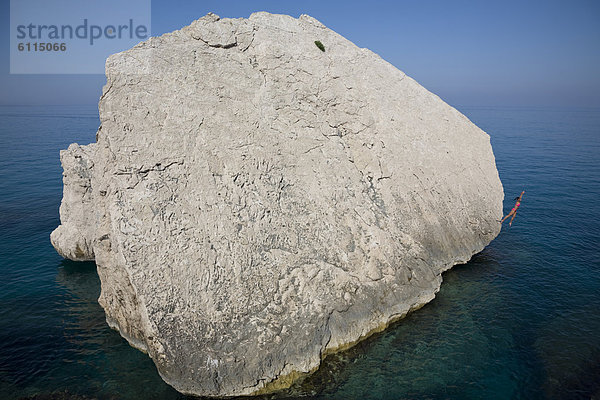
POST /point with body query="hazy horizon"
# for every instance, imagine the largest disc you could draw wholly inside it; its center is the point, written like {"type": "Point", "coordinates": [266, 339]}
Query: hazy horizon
{"type": "Point", "coordinates": [540, 53]}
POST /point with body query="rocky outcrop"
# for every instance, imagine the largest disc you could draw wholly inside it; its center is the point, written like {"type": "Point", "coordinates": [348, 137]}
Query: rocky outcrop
{"type": "Point", "coordinates": [254, 203]}
{"type": "Point", "coordinates": [74, 238]}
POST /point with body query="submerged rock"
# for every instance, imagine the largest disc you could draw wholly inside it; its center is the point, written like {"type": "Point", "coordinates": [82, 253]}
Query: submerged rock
{"type": "Point", "coordinates": [254, 203]}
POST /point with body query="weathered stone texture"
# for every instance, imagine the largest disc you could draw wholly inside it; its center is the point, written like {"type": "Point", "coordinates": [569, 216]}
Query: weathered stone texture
{"type": "Point", "coordinates": [253, 203]}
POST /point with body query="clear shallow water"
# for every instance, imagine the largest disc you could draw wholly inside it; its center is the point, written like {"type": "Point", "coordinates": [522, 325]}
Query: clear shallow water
{"type": "Point", "coordinates": [520, 320]}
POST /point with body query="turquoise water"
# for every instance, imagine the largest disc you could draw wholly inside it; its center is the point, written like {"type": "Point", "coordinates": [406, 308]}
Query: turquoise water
{"type": "Point", "coordinates": [520, 320]}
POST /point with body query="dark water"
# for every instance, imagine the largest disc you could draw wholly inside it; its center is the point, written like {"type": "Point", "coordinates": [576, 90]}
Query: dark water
{"type": "Point", "coordinates": [521, 320]}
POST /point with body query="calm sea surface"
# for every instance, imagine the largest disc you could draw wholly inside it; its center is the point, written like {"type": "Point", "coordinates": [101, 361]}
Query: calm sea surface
{"type": "Point", "coordinates": [520, 320]}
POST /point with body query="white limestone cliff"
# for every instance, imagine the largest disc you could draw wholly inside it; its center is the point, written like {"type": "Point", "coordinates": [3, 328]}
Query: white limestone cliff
{"type": "Point", "coordinates": [254, 203]}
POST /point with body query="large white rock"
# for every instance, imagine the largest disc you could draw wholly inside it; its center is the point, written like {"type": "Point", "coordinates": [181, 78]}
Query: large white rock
{"type": "Point", "coordinates": [253, 203]}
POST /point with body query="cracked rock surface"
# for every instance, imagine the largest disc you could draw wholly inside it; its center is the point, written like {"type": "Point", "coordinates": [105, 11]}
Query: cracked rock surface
{"type": "Point", "coordinates": [254, 203]}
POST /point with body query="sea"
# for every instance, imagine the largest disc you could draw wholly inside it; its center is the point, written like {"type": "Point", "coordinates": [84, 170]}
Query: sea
{"type": "Point", "coordinates": [520, 320]}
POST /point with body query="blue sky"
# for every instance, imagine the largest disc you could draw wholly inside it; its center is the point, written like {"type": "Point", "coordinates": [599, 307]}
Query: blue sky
{"type": "Point", "coordinates": [508, 53]}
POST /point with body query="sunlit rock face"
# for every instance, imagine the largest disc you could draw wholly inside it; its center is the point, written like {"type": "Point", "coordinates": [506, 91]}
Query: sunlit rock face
{"type": "Point", "coordinates": [253, 202]}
